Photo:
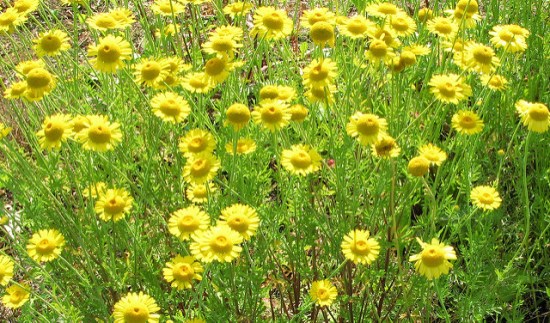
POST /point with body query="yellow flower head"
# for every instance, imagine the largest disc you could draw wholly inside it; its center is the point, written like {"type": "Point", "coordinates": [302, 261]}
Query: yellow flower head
{"type": "Point", "coordinates": [110, 53]}
{"type": "Point", "coordinates": [418, 166]}
{"type": "Point", "coordinates": [313, 16]}
{"type": "Point", "coordinates": [102, 21]}
{"type": "Point", "coordinates": [425, 14]}
{"type": "Point", "coordinates": [386, 147]}
{"type": "Point", "coordinates": [443, 27]}
{"type": "Point", "coordinates": [243, 146]}
{"type": "Point", "coordinates": [99, 134]}
{"type": "Point", "coordinates": [78, 123]}
{"type": "Point", "coordinates": [200, 168]}
{"type": "Point", "coordinates": [187, 221]}
{"type": "Point", "coordinates": [199, 193]}
{"type": "Point", "coordinates": [25, 6]}
{"type": "Point", "coordinates": [238, 8]}
{"type": "Point", "coordinates": [322, 94]}
{"type": "Point", "coordinates": [167, 8]}
{"type": "Point", "coordinates": [356, 27]}
{"type": "Point", "coordinates": [237, 115]}
{"type": "Point", "coordinates": [434, 154]}
{"type": "Point", "coordinates": [320, 73]}
{"type": "Point", "coordinates": [11, 18]}
{"type": "Point", "coordinates": [170, 107]}
{"type": "Point", "coordinates": [197, 82]}
{"type": "Point", "coordinates": [46, 245]}
{"type": "Point", "coordinates": [402, 25]}
{"type": "Point", "coordinates": [358, 247]}
{"type": "Point", "coordinates": [16, 296]}
{"type": "Point", "coordinates": [151, 72]}
{"type": "Point", "coordinates": [485, 197]}
{"type": "Point", "coordinates": [301, 160]}
{"type": "Point", "coordinates": [4, 130]}
{"type": "Point", "coordinates": [271, 114]}
{"type": "Point", "coordinates": [494, 82]}
{"type": "Point", "coordinates": [51, 43]}
{"type": "Point", "coordinates": [298, 112]}
{"type": "Point", "coordinates": [433, 261]}
{"type": "Point", "coordinates": [26, 66]}
{"type": "Point", "coordinates": [449, 88]}
{"type": "Point", "coordinates": [511, 38]}
{"type": "Point", "coordinates": [181, 271]}
{"type": "Point", "coordinates": [95, 190]}
{"type": "Point", "coordinates": [379, 52]}
{"type": "Point", "coordinates": [221, 45]}
{"type": "Point", "coordinates": [384, 10]}
{"type": "Point", "coordinates": [322, 33]}
{"type": "Point", "coordinates": [55, 130]}
{"type": "Point", "coordinates": [367, 128]}
{"type": "Point", "coordinates": [480, 58]}
{"type": "Point", "coordinates": [535, 116]}
{"type": "Point", "coordinates": [197, 141]}
{"type": "Point", "coordinates": [235, 33]}
{"type": "Point", "coordinates": [271, 23]}
{"type": "Point", "coordinates": [240, 218]}
{"type": "Point", "coordinates": [113, 204]}
{"type": "Point", "coordinates": [6, 270]}
{"type": "Point", "coordinates": [219, 243]}
{"type": "Point", "coordinates": [467, 122]}
{"type": "Point", "coordinates": [123, 16]}
{"type": "Point", "coordinates": [136, 307]}
{"type": "Point", "coordinates": [277, 92]}
{"type": "Point", "coordinates": [16, 90]}
{"type": "Point", "coordinates": [323, 293]}
{"type": "Point", "coordinates": [39, 83]}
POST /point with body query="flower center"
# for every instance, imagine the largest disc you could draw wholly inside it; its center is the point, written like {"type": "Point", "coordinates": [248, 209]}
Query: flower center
{"type": "Point", "coordinates": [273, 21]}
{"type": "Point", "coordinates": [200, 168]}
{"type": "Point", "coordinates": [322, 32]}
{"type": "Point", "coordinates": [538, 112]}
{"type": "Point", "coordinates": [170, 107]}
{"type": "Point", "coordinates": [115, 205]}
{"type": "Point", "coordinates": [361, 247]}
{"type": "Point", "coordinates": [368, 126]}
{"type": "Point", "coordinates": [54, 131]}
{"type": "Point", "coordinates": [183, 271]}
{"type": "Point", "coordinates": [272, 115]}
{"type": "Point", "coordinates": [443, 27]}
{"type": "Point", "coordinates": [378, 48]}
{"type": "Point", "coordinates": [38, 78]}
{"type": "Point", "coordinates": [197, 83]}
{"type": "Point", "coordinates": [433, 257]}
{"type": "Point", "coordinates": [197, 145]}
{"type": "Point", "coordinates": [387, 9]}
{"type": "Point", "coordinates": [356, 27]}
{"type": "Point", "coordinates": [215, 66]}
{"type": "Point", "coordinates": [221, 244]}
{"type": "Point", "coordinates": [238, 115]}
{"type": "Point", "coordinates": [400, 24]}
{"type": "Point", "coordinates": [301, 160]}
{"type": "Point", "coordinates": [323, 294]}
{"type": "Point", "coordinates": [200, 192]}
{"type": "Point", "coordinates": [18, 89]}
{"type": "Point", "coordinates": [495, 81]}
{"type": "Point", "coordinates": [188, 223]}
{"type": "Point", "coordinates": [16, 297]}
{"type": "Point", "coordinates": [108, 53]}
{"type": "Point", "coordinates": [150, 71]}
{"type": "Point", "coordinates": [483, 55]}
{"type": "Point", "coordinates": [238, 223]}
{"type": "Point", "coordinates": [99, 134]}
{"type": "Point", "coordinates": [137, 313]}
{"type": "Point", "coordinates": [447, 89]}
{"type": "Point", "coordinates": [318, 73]}
{"type": "Point", "coordinates": [486, 198]}
{"type": "Point", "coordinates": [45, 246]}
{"type": "Point", "coordinates": [467, 122]}
{"type": "Point", "coordinates": [50, 43]}
{"type": "Point", "coordinates": [317, 17]}
{"type": "Point", "coordinates": [105, 21]}
{"type": "Point", "coordinates": [222, 45]}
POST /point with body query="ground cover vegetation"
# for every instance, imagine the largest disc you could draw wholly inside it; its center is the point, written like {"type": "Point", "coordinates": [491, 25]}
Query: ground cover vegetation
{"type": "Point", "coordinates": [221, 161]}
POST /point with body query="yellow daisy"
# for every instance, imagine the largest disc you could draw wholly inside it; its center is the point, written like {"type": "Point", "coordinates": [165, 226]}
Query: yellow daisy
{"type": "Point", "coordinates": [467, 122]}
{"type": "Point", "coordinates": [123, 16]}
{"type": "Point", "coordinates": [184, 222]}
{"type": "Point", "coordinates": [199, 193]}
{"type": "Point", "coordinates": [434, 154]}
{"type": "Point", "coordinates": [386, 147]}
{"type": "Point", "coordinates": [26, 66]}
{"type": "Point", "coordinates": [181, 271]}
{"type": "Point", "coordinates": [217, 69]}
{"type": "Point", "coordinates": [535, 116]}
{"type": "Point", "coordinates": [46, 245]}
{"type": "Point", "coordinates": [358, 247]}
{"type": "Point", "coordinates": [136, 307]}
{"type": "Point", "coordinates": [379, 52]}
{"type": "Point", "coordinates": [99, 134]}
{"type": "Point", "coordinates": [244, 146]}
{"type": "Point", "coordinates": [271, 23]}
{"type": "Point", "coordinates": [449, 88]}
{"type": "Point", "coordinates": [221, 45]}
{"type": "Point", "coordinates": [170, 107]}
{"type": "Point", "coordinates": [197, 141]}
{"type": "Point", "coordinates": [6, 270]}
{"type": "Point", "coordinates": [384, 10]}
{"type": "Point", "coordinates": [240, 218]}
{"type": "Point", "coordinates": [151, 72]}
{"type": "Point", "coordinates": [485, 197]}
{"type": "Point", "coordinates": [55, 130]}
{"type": "Point", "coordinates": [237, 115]}
{"type": "Point", "coordinates": [433, 261]}
{"type": "Point", "coordinates": [271, 114]}
{"type": "Point", "coordinates": [110, 53]}
{"type": "Point", "coordinates": [16, 296]}
{"type": "Point", "coordinates": [320, 73]}
{"type": "Point", "coordinates": [11, 18]}
{"type": "Point", "coordinates": [494, 82]}
{"type": "Point", "coordinates": [323, 293]}
{"type": "Point", "coordinates": [298, 112]}
{"type": "Point", "coordinates": [443, 27]}
{"type": "Point", "coordinates": [219, 243]}
{"type": "Point", "coordinates": [113, 204]}
{"type": "Point", "coordinates": [418, 166]}
{"type": "Point", "coordinates": [402, 25]}
{"type": "Point", "coordinates": [425, 14]}
{"type": "Point", "coordinates": [322, 33]}
{"type": "Point", "coordinates": [367, 128]}
{"type": "Point", "coordinates": [322, 94]}
{"type": "Point", "coordinates": [197, 82]}
{"type": "Point", "coordinates": [25, 6]}
{"type": "Point", "coordinates": [236, 9]}
{"type": "Point", "coordinates": [355, 27]}
{"type": "Point", "coordinates": [78, 123]}
{"type": "Point", "coordinates": [39, 83]}
{"type": "Point", "coordinates": [51, 43]}
{"type": "Point", "coordinates": [167, 8]}
{"type": "Point", "coordinates": [200, 168]}
{"type": "Point", "coordinates": [511, 38]}
{"type": "Point", "coordinates": [480, 58]}
{"type": "Point", "coordinates": [102, 21]}
{"type": "Point", "coordinates": [16, 90]}
{"type": "Point", "coordinates": [301, 160]}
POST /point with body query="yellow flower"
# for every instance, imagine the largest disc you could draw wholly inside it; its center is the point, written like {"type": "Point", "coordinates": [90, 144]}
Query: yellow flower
{"type": "Point", "coordinates": [11, 18]}
{"type": "Point", "coordinates": [4, 130]}
{"type": "Point", "coordinates": [434, 154]}
{"type": "Point", "coordinates": [26, 66]}
{"type": "Point", "coordinates": [181, 271]}
{"type": "Point", "coordinates": [113, 204]}
{"type": "Point", "coordinates": [237, 115]}
{"type": "Point", "coordinates": [167, 8]}
{"type": "Point", "coordinates": [384, 10]}
{"type": "Point", "coordinates": [467, 122]}
{"type": "Point", "coordinates": [277, 92]}
{"type": "Point", "coordinates": [136, 307]}
{"type": "Point", "coordinates": [511, 38]}
{"type": "Point", "coordinates": [39, 83]}
{"type": "Point", "coordinates": [221, 45]}
{"type": "Point", "coordinates": [320, 73]}
{"type": "Point", "coordinates": [443, 27]}
{"type": "Point", "coordinates": [449, 88]}
{"type": "Point", "coordinates": [6, 270]}
{"type": "Point", "coordinates": [197, 141]}
{"type": "Point", "coordinates": [313, 16]}
{"type": "Point", "coordinates": [197, 82]}
{"type": "Point", "coordinates": [534, 115]}
{"type": "Point", "coordinates": [217, 69]}
{"type": "Point", "coordinates": [359, 248]}
{"type": "Point", "coordinates": [219, 243]}
{"type": "Point", "coordinates": [323, 292]}
{"type": "Point", "coordinates": [240, 218]}
{"type": "Point", "coordinates": [494, 82]}
{"type": "Point", "coordinates": [151, 72]}
{"type": "Point", "coordinates": [271, 23]}
{"type": "Point", "coordinates": [425, 14]}
{"type": "Point", "coordinates": [186, 221]}
{"type": "Point", "coordinates": [99, 134]}
{"type": "Point", "coordinates": [110, 53]}
{"type": "Point", "coordinates": [169, 30]}
{"type": "Point", "coordinates": [301, 160]}
{"type": "Point", "coordinates": [465, 13]}
{"type": "Point", "coordinates": [379, 52]}
{"type": "Point", "coordinates": [55, 130]}
{"type": "Point", "coordinates": [235, 33]}
{"type": "Point", "coordinates": [25, 6]}
{"type": "Point", "coordinates": [244, 146]}
{"type": "Point", "coordinates": [78, 123]}
{"type": "Point", "coordinates": [322, 33]}
{"type": "Point", "coordinates": [367, 128]}
{"type": "Point", "coordinates": [124, 17]}
{"type": "Point", "coordinates": [237, 9]}
{"type": "Point", "coordinates": [418, 166]}
{"type": "Point", "coordinates": [200, 168]}
{"type": "Point", "coordinates": [170, 107]}
{"type": "Point", "coordinates": [51, 43]}
{"type": "Point", "coordinates": [485, 197]}
{"type": "Point", "coordinates": [298, 112]}
{"type": "Point", "coordinates": [102, 21]}
{"type": "Point", "coordinates": [199, 193]}
{"type": "Point", "coordinates": [480, 58]}
{"type": "Point", "coordinates": [271, 114]}
{"type": "Point", "coordinates": [322, 94]}
{"type": "Point", "coordinates": [355, 27]}
{"type": "Point", "coordinates": [402, 25]}
{"type": "Point", "coordinates": [434, 259]}
{"type": "Point", "coordinates": [16, 90]}
{"type": "Point", "coordinates": [46, 245]}
{"type": "Point", "coordinates": [17, 296]}
{"type": "Point", "coordinates": [386, 147]}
